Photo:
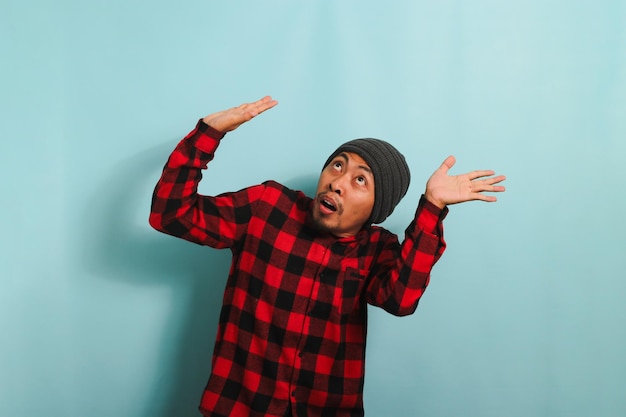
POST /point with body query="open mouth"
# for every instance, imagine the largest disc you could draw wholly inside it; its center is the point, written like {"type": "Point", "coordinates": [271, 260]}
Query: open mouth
{"type": "Point", "coordinates": [328, 204]}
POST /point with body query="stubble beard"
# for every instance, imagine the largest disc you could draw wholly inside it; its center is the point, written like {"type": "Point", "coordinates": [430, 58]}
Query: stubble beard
{"type": "Point", "coordinates": [321, 222]}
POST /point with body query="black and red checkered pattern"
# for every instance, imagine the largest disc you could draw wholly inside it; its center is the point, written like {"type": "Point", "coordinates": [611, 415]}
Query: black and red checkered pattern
{"type": "Point", "coordinates": [292, 328]}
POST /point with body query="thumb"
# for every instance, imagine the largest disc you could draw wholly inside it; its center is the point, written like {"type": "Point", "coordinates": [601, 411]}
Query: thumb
{"type": "Point", "coordinates": [447, 164]}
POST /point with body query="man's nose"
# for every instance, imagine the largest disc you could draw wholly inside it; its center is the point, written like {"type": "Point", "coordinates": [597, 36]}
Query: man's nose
{"type": "Point", "coordinates": [338, 184]}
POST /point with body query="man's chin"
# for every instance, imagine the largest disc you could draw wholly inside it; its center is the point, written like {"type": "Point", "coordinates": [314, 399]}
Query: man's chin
{"type": "Point", "coordinates": [321, 224]}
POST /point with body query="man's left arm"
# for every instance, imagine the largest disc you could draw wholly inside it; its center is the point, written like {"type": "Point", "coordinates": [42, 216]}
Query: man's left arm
{"type": "Point", "coordinates": [402, 272]}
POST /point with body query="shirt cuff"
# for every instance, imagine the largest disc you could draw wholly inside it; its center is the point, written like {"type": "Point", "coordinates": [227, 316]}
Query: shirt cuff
{"type": "Point", "coordinates": [207, 137]}
{"type": "Point", "coordinates": [430, 217]}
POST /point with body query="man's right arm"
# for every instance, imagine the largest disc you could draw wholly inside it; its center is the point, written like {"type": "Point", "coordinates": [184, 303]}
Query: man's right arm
{"type": "Point", "coordinates": [176, 206]}
{"type": "Point", "coordinates": [178, 209]}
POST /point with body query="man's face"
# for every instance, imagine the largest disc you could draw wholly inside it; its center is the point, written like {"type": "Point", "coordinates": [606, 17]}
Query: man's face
{"type": "Point", "coordinates": [345, 195]}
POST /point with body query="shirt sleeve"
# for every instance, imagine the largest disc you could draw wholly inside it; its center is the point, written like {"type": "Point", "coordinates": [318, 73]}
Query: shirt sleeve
{"type": "Point", "coordinates": [177, 208]}
{"type": "Point", "coordinates": [401, 272]}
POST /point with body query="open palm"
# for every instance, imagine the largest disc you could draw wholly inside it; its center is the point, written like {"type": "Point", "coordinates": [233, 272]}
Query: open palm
{"type": "Point", "coordinates": [231, 119]}
{"type": "Point", "coordinates": [443, 189]}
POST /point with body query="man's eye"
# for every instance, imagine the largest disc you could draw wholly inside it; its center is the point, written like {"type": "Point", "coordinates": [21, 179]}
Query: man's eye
{"type": "Point", "coordinates": [337, 164]}
{"type": "Point", "coordinates": [361, 180]}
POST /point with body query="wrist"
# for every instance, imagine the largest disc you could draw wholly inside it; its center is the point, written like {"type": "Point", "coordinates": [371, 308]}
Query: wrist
{"type": "Point", "coordinates": [210, 121]}
{"type": "Point", "coordinates": [434, 200]}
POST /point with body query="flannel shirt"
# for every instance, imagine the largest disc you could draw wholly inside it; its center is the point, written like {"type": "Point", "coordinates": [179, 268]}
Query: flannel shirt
{"type": "Point", "coordinates": [292, 327]}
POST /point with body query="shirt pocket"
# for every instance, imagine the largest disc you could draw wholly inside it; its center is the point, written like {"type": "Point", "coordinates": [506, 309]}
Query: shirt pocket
{"type": "Point", "coordinates": [351, 288]}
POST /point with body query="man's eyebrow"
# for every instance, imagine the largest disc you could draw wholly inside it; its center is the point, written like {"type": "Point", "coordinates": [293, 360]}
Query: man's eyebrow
{"type": "Point", "coordinates": [363, 167]}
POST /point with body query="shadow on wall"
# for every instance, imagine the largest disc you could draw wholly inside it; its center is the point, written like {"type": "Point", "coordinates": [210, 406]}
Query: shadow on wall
{"type": "Point", "coordinates": [121, 246]}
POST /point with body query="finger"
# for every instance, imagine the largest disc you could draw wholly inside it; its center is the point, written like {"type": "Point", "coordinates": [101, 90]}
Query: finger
{"type": "Point", "coordinates": [479, 174]}
{"type": "Point", "coordinates": [487, 198]}
{"type": "Point", "coordinates": [259, 106]}
{"type": "Point", "coordinates": [266, 103]}
{"type": "Point", "coordinates": [260, 103]}
{"type": "Point", "coordinates": [265, 98]}
{"type": "Point", "coordinates": [486, 185]}
{"type": "Point", "coordinates": [447, 164]}
{"type": "Point", "coordinates": [498, 179]}
{"type": "Point", "coordinates": [490, 181]}
{"type": "Point", "coordinates": [489, 189]}
{"type": "Point", "coordinates": [251, 106]}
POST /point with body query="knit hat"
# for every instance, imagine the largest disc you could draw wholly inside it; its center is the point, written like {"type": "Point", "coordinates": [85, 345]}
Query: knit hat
{"type": "Point", "coordinates": [390, 170]}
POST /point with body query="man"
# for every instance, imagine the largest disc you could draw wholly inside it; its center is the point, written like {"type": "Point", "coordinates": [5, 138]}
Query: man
{"type": "Point", "coordinates": [292, 330]}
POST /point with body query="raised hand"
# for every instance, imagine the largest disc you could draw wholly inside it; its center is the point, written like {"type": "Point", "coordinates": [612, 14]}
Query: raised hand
{"type": "Point", "coordinates": [443, 189]}
{"type": "Point", "coordinates": [231, 119]}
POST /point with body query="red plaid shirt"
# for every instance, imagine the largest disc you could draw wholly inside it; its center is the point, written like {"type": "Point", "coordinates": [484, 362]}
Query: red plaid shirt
{"type": "Point", "coordinates": [293, 324]}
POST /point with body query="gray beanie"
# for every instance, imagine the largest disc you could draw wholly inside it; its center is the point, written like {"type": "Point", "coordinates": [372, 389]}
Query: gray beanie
{"type": "Point", "coordinates": [390, 170]}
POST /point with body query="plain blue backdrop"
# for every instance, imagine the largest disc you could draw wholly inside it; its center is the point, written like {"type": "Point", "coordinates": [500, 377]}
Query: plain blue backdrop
{"type": "Point", "coordinates": [525, 315]}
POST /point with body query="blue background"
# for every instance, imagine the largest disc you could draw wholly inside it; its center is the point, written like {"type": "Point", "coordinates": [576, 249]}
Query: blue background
{"type": "Point", "coordinates": [525, 315]}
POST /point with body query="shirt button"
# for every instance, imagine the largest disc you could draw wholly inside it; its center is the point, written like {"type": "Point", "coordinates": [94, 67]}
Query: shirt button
{"type": "Point", "coordinates": [300, 354]}
{"type": "Point", "coordinates": [293, 393]}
